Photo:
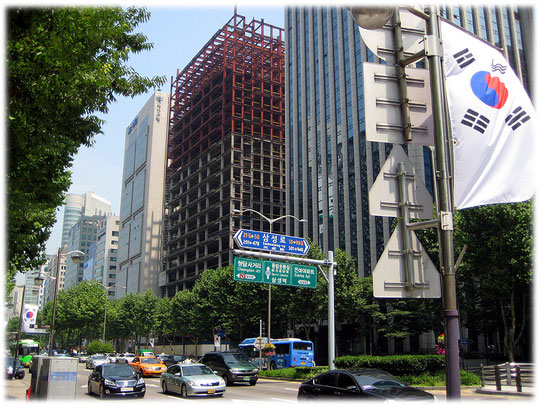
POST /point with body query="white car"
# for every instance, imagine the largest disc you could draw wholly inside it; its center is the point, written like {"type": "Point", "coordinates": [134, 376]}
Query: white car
{"type": "Point", "coordinates": [125, 358]}
{"type": "Point", "coordinates": [112, 357]}
{"type": "Point", "coordinates": [96, 360]}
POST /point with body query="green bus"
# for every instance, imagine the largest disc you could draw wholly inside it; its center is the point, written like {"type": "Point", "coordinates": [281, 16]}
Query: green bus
{"type": "Point", "coordinates": [27, 349]}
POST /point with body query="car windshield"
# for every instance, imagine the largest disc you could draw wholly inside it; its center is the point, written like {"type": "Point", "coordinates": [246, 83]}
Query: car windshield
{"type": "Point", "coordinates": [377, 379]}
{"type": "Point", "coordinates": [196, 370]}
{"type": "Point", "coordinates": [149, 360]}
{"type": "Point", "coordinates": [118, 371]}
{"type": "Point", "coordinates": [232, 358]}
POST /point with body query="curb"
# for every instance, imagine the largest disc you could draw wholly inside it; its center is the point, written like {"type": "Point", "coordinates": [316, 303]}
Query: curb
{"type": "Point", "coordinates": [483, 390]}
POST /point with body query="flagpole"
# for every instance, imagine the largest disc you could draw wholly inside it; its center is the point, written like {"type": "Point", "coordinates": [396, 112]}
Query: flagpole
{"type": "Point", "coordinates": [445, 206]}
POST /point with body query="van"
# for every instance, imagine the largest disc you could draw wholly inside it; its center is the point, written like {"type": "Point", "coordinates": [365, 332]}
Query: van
{"type": "Point", "coordinates": [145, 353]}
{"type": "Point", "coordinates": [232, 367]}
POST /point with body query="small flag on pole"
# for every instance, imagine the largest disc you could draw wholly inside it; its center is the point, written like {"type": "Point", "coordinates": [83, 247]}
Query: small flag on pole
{"type": "Point", "coordinates": [493, 123]}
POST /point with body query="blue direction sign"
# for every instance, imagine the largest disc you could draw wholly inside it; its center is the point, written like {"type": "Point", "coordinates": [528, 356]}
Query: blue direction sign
{"type": "Point", "coordinates": [271, 242]}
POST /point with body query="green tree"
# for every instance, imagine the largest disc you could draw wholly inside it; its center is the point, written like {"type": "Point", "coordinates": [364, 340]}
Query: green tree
{"type": "Point", "coordinates": [65, 65]}
{"type": "Point", "coordinates": [187, 317]}
{"type": "Point", "coordinates": [496, 275]}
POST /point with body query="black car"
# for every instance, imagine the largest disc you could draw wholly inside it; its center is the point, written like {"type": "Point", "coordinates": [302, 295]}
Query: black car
{"type": "Point", "coordinates": [115, 379]}
{"type": "Point", "coordinates": [364, 383]}
{"type": "Point", "coordinates": [232, 367]}
{"type": "Point", "coordinates": [171, 359]}
{"type": "Point", "coordinates": [19, 368]}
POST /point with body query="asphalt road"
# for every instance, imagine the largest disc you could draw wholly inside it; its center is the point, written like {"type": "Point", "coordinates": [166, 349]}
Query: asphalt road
{"type": "Point", "coordinates": [265, 391]}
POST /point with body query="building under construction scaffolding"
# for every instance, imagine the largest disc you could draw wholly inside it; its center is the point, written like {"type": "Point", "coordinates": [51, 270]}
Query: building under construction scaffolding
{"type": "Point", "coordinates": [226, 148]}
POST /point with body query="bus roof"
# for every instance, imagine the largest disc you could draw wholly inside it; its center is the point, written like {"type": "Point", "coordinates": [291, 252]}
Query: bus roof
{"type": "Point", "coordinates": [250, 341]}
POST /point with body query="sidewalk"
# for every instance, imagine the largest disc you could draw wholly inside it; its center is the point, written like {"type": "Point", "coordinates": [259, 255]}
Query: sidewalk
{"type": "Point", "coordinates": [506, 389]}
{"type": "Point", "coordinates": [16, 389]}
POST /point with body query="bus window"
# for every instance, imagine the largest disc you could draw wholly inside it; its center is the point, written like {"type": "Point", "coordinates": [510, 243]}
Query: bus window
{"type": "Point", "coordinates": [302, 346]}
{"type": "Point", "coordinates": [282, 348]}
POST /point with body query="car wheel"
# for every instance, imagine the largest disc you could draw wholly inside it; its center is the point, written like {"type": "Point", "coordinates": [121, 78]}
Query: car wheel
{"type": "Point", "coordinates": [141, 395]}
{"type": "Point", "coordinates": [226, 379]}
{"type": "Point", "coordinates": [164, 387]}
{"type": "Point", "coordinates": [183, 391]}
{"type": "Point", "coordinates": [252, 383]}
{"type": "Point", "coordinates": [89, 389]}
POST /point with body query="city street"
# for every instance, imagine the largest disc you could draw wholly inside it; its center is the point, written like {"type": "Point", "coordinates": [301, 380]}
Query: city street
{"type": "Point", "coordinates": [265, 391]}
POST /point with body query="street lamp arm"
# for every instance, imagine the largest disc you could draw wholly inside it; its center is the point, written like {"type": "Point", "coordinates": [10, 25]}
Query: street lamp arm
{"type": "Point", "coordinates": [290, 216]}
{"type": "Point", "coordinates": [271, 220]}
{"type": "Point", "coordinates": [256, 212]}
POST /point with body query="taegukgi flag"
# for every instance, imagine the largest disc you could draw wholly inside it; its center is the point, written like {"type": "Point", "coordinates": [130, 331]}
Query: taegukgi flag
{"type": "Point", "coordinates": [493, 123]}
{"type": "Point", "coordinates": [29, 316]}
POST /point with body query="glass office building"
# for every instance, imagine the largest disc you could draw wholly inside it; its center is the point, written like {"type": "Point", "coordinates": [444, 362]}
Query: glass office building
{"type": "Point", "coordinates": [331, 166]}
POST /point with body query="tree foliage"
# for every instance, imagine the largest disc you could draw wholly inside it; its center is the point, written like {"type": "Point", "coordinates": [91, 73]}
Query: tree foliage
{"type": "Point", "coordinates": [496, 276]}
{"type": "Point", "coordinates": [65, 65]}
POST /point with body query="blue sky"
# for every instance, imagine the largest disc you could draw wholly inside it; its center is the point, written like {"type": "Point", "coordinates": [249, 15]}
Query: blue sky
{"type": "Point", "coordinates": [177, 33]}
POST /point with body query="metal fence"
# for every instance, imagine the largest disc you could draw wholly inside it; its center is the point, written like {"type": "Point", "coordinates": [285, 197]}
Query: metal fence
{"type": "Point", "coordinates": [510, 374]}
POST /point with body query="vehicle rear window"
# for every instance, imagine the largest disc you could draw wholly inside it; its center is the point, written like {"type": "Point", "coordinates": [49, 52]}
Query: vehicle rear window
{"type": "Point", "coordinates": [302, 346]}
{"type": "Point", "coordinates": [149, 360]}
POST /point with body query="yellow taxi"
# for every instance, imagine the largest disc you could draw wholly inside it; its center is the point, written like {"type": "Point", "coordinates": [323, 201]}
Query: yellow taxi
{"type": "Point", "coordinates": [148, 366]}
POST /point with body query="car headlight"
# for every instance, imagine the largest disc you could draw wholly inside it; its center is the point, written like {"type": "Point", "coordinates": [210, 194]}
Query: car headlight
{"type": "Point", "coordinates": [235, 370]}
{"type": "Point", "coordinates": [109, 382]}
{"type": "Point", "coordinates": [255, 369]}
{"type": "Point", "coordinates": [192, 383]}
{"type": "Point", "coordinates": [140, 381]}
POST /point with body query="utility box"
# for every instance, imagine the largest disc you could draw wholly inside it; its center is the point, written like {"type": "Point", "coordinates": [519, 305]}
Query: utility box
{"type": "Point", "coordinates": [54, 377]}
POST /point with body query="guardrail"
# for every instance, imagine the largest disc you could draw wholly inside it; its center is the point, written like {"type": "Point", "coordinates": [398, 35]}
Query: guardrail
{"type": "Point", "coordinates": [510, 374]}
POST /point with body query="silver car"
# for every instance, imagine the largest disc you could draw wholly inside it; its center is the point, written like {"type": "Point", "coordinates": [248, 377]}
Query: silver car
{"type": "Point", "coordinates": [96, 360]}
{"type": "Point", "coordinates": [192, 379]}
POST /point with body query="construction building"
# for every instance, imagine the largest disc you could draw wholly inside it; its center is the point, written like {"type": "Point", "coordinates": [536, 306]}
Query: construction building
{"type": "Point", "coordinates": [226, 148]}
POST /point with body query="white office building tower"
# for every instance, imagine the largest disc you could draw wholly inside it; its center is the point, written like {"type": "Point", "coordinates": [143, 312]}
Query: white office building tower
{"type": "Point", "coordinates": [82, 204]}
{"type": "Point", "coordinates": [106, 254]}
{"type": "Point", "coordinates": [141, 207]}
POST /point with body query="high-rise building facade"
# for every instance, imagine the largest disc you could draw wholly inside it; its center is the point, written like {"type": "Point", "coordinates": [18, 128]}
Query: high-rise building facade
{"type": "Point", "coordinates": [141, 206]}
{"type": "Point", "coordinates": [82, 204]}
{"type": "Point", "coordinates": [330, 165]}
{"type": "Point", "coordinates": [80, 237]}
{"type": "Point", "coordinates": [226, 148]}
{"type": "Point", "coordinates": [105, 264]}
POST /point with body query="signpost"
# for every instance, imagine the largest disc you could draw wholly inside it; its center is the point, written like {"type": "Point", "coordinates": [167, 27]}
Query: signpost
{"type": "Point", "coordinates": [411, 36]}
{"type": "Point", "coordinates": [274, 272]}
{"type": "Point", "coordinates": [271, 242]}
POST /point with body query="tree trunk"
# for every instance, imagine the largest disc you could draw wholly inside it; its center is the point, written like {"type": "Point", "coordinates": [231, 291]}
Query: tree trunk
{"type": "Point", "coordinates": [507, 340]}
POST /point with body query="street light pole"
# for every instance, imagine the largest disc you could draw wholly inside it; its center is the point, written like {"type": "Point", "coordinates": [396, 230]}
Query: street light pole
{"type": "Point", "coordinates": [77, 258]}
{"type": "Point", "coordinates": [271, 222]}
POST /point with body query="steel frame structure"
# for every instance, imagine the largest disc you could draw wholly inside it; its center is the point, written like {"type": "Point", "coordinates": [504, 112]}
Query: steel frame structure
{"type": "Point", "coordinates": [226, 147]}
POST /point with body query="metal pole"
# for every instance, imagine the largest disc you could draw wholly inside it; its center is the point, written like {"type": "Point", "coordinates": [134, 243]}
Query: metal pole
{"type": "Point", "coordinates": [104, 317]}
{"type": "Point", "coordinates": [57, 281]}
{"type": "Point", "coordinates": [260, 351]}
{"type": "Point", "coordinates": [407, 242]}
{"type": "Point", "coordinates": [445, 206]}
{"type": "Point", "coordinates": [331, 320]}
{"type": "Point", "coordinates": [269, 302]}
{"type": "Point", "coordinates": [18, 333]}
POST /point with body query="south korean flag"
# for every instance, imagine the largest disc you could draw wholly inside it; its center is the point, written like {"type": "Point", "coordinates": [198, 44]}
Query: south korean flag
{"type": "Point", "coordinates": [493, 123]}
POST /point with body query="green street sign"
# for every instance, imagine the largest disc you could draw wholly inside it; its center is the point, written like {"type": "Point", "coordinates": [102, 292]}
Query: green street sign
{"type": "Point", "coordinates": [275, 272]}
{"type": "Point", "coordinates": [248, 270]}
{"type": "Point", "coordinates": [304, 276]}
